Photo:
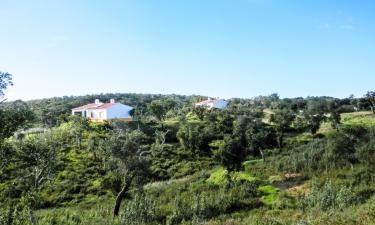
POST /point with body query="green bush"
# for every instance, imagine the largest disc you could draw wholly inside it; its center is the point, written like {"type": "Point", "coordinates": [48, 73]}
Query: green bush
{"type": "Point", "coordinates": [140, 210]}
{"type": "Point", "coordinates": [14, 216]}
{"type": "Point", "coordinates": [327, 197]}
{"type": "Point", "coordinates": [304, 158]}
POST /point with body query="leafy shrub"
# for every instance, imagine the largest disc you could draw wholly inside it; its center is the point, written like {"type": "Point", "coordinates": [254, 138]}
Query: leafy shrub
{"type": "Point", "coordinates": [268, 221]}
{"type": "Point", "coordinates": [140, 210]}
{"type": "Point", "coordinates": [220, 176]}
{"type": "Point", "coordinates": [14, 216]}
{"type": "Point", "coordinates": [327, 197]}
{"type": "Point", "coordinates": [366, 151]}
{"type": "Point", "coordinates": [213, 202]}
{"type": "Point", "coordinates": [196, 138]}
{"type": "Point", "coordinates": [304, 158]}
{"type": "Point", "coordinates": [346, 109]}
{"type": "Point", "coordinates": [270, 193]}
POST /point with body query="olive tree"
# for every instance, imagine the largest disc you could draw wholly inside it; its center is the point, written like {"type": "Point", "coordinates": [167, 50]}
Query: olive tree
{"type": "Point", "coordinates": [230, 153]}
{"type": "Point", "coordinates": [282, 119]}
{"type": "Point", "coordinates": [315, 113]}
{"type": "Point", "coordinates": [254, 134]}
{"type": "Point", "coordinates": [14, 116]}
{"type": "Point", "coordinates": [159, 108]}
{"type": "Point", "coordinates": [370, 98]}
{"type": "Point", "coordinates": [125, 146]}
{"type": "Point", "coordinates": [35, 162]}
{"type": "Point", "coordinates": [5, 81]}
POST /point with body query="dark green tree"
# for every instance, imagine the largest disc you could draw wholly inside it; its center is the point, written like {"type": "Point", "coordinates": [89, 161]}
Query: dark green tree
{"type": "Point", "coordinates": [231, 153]}
{"type": "Point", "coordinates": [200, 112]}
{"type": "Point", "coordinates": [282, 120]}
{"type": "Point", "coordinates": [370, 98]}
{"type": "Point", "coordinates": [125, 146]}
{"type": "Point", "coordinates": [195, 138]}
{"type": "Point", "coordinates": [14, 116]}
{"type": "Point", "coordinates": [36, 164]}
{"type": "Point", "coordinates": [159, 109]}
{"type": "Point", "coordinates": [254, 134]}
{"type": "Point", "coordinates": [315, 113]}
{"type": "Point", "coordinates": [334, 116]}
{"type": "Point", "coordinates": [5, 81]}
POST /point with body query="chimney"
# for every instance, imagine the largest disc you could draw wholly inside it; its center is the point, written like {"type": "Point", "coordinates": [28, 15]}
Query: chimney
{"type": "Point", "coordinates": [97, 101]}
{"type": "Point", "coordinates": [112, 101]}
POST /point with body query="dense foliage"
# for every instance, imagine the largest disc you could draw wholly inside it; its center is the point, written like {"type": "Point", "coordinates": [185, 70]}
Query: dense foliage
{"type": "Point", "coordinates": [263, 160]}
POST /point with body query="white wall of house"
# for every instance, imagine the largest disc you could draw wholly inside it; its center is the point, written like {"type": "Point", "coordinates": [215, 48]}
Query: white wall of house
{"type": "Point", "coordinates": [97, 113]}
{"type": "Point", "coordinates": [119, 111]}
{"type": "Point", "coordinates": [116, 111]}
{"type": "Point", "coordinates": [220, 104]}
{"type": "Point", "coordinates": [78, 112]}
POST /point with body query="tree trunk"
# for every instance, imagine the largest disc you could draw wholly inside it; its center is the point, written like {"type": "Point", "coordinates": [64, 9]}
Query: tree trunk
{"type": "Point", "coordinates": [121, 195]}
{"type": "Point", "coordinates": [32, 216]}
{"type": "Point", "coordinates": [263, 156]}
{"type": "Point", "coordinates": [280, 141]}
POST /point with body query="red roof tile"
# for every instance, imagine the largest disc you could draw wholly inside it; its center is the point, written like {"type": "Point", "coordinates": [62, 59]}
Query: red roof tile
{"type": "Point", "coordinates": [95, 106]}
{"type": "Point", "coordinates": [105, 105]}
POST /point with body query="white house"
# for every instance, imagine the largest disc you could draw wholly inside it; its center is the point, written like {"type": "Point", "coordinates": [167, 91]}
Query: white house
{"type": "Point", "coordinates": [213, 103]}
{"type": "Point", "coordinates": [100, 112]}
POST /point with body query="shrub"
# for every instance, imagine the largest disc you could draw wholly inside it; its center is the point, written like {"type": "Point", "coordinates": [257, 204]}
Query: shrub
{"type": "Point", "coordinates": [215, 201]}
{"type": "Point", "coordinates": [271, 194]}
{"type": "Point", "coordinates": [14, 216]}
{"type": "Point", "coordinates": [140, 210]}
{"type": "Point", "coordinates": [327, 197]}
{"type": "Point", "coordinates": [304, 158]}
{"type": "Point", "coordinates": [268, 221]}
{"type": "Point", "coordinates": [220, 176]}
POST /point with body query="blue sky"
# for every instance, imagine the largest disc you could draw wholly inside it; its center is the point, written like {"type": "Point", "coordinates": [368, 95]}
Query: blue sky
{"type": "Point", "coordinates": [226, 48]}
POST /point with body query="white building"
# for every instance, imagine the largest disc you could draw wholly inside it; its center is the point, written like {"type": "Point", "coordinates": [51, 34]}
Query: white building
{"type": "Point", "coordinates": [213, 104]}
{"type": "Point", "coordinates": [99, 111]}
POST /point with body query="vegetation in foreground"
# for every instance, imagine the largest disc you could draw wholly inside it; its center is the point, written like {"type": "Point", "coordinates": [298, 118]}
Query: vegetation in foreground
{"type": "Point", "coordinates": [264, 160]}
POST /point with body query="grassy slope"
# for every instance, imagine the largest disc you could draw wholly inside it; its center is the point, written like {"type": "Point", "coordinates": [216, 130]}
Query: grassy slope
{"type": "Point", "coordinates": [277, 193]}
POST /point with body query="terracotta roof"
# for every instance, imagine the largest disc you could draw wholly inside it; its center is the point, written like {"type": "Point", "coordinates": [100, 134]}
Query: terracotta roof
{"type": "Point", "coordinates": [105, 105]}
{"type": "Point", "coordinates": [95, 106]}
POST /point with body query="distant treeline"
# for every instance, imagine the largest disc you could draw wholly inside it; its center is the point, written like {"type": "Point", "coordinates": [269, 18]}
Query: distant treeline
{"type": "Point", "coordinates": [53, 111]}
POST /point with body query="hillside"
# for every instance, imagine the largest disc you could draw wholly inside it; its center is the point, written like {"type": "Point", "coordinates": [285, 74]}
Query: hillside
{"type": "Point", "coordinates": [260, 161]}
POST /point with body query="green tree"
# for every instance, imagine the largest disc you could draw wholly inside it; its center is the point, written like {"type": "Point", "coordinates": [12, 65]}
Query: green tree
{"type": "Point", "coordinates": [159, 108]}
{"type": "Point", "coordinates": [231, 153]}
{"type": "Point", "coordinates": [125, 146]}
{"type": "Point", "coordinates": [195, 138]}
{"type": "Point", "coordinates": [78, 126]}
{"type": "Point", "coordinates": [14, 116]}
{"type": "Point", "coordinates": [370, 98]}
{"type": "Point", "coordinates": [334, 114]}
{"type": "Point", "coordinates": [316, 113]}
{"type": "Point", "coordinates": [253, 133]}
{"type": "Point", "coordinates": [199, 112]}
{"type": "Point", "coordinates": [5, 81]}
{"type": "Point", "coordinates": [36, 164]}
{"type": "Point", "coordinates": [282, 119]}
